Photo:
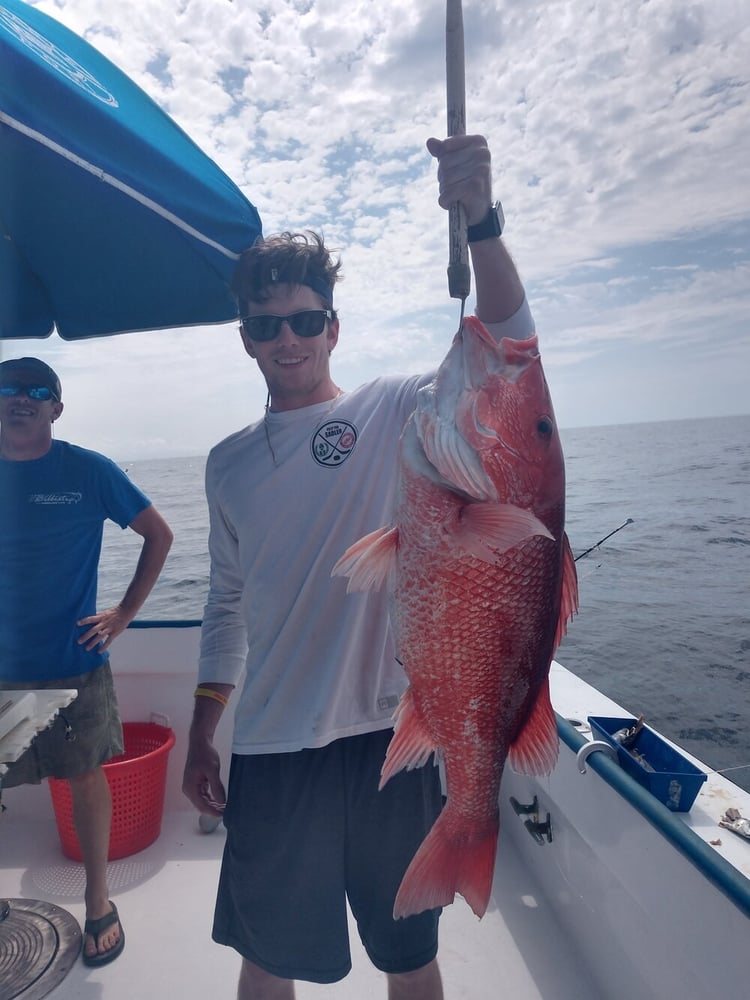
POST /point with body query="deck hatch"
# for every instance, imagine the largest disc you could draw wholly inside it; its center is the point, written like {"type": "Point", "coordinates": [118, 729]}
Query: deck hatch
{"type": "Point", "coordinates": [39, 942]}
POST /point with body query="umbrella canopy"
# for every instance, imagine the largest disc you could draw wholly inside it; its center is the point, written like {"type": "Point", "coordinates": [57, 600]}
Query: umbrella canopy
{"type": "Point", "coordinates": [111, 218]}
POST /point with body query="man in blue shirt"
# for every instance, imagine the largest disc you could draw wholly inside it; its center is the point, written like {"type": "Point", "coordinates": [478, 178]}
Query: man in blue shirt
{"type": "Point", "coordinates": [55, 498]}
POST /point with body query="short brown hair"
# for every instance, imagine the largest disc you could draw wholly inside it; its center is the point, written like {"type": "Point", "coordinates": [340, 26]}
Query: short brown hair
{"type": "Point", "coordinates": [287, 258]}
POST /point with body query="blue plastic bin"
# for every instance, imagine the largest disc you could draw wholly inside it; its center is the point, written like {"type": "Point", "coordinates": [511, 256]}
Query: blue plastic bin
{"type": "Point", "coordinates": [674, 780]}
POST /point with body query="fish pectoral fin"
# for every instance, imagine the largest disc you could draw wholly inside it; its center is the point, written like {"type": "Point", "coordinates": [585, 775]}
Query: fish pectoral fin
{"type": "Point", "coordinates": [535, 749]}
{"type": "Point", "coordinates": [454, 458]}
{"type": "Point", "coordinates": [411, 744]}
{"type": "Point", "coordinates": [486, 530]}
{"type": "Point", "coordinates": [370, 562]}
{"type": "Point", "coordinates": [569, 592]}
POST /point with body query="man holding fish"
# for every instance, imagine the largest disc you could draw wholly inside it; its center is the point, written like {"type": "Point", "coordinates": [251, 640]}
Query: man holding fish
{"type": "Point", "coordinates": [307, 827]}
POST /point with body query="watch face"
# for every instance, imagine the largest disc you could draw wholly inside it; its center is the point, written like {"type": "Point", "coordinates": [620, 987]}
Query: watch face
{"type": "Point", "coordinates": [500, 216]}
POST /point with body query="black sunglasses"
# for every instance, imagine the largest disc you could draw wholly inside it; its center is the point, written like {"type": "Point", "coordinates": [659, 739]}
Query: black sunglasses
{"type": "Point", "coordinates": [306, 323]}
{"type": "Point", "coordinates": [39, 392]}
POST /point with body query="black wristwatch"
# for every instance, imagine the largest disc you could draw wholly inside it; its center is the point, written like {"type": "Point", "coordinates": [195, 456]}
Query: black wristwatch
{"type": "Point", "coordinates": [490, 227]}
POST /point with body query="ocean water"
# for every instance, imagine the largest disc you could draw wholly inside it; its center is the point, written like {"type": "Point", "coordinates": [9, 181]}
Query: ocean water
{"type": "Point", "coordinates": [664, 619]}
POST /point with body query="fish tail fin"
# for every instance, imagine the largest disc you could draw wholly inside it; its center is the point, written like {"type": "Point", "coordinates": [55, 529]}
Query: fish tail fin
{"type": "Point", "coordinates": [411, 745]}
{"type": "Point", "coordinates": [445, 865]}
{"type": "Point", "coordinates": [535, 749]}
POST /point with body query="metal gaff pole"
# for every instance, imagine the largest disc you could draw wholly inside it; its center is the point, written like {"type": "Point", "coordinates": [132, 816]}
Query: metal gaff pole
{"type": "Point", "coordinates": [459, 274]}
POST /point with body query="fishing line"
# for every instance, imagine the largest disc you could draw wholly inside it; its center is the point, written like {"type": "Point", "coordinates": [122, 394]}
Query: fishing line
{"type": "Point", "coordinates": [723, 770]}
{"type": "Point", "coordinates": [588, 573]}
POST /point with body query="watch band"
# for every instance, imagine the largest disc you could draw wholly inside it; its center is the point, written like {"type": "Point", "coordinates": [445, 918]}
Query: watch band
{"type": "Point", "coordinates": [490, 227]}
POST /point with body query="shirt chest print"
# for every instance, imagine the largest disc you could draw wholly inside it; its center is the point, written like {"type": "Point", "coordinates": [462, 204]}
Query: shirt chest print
{"type": "Point", "coordinates": [333, 442]}
{"type": "Point", "coordinates": [57, 497]}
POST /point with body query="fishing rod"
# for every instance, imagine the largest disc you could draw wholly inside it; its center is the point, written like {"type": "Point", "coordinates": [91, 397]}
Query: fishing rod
{"type": "Point", "coordinates": [601, 540]}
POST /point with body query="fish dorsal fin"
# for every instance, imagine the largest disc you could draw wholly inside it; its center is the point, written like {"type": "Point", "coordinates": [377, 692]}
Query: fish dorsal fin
{"type": "Point", "coordinates": [370, 562]}
{"type": "Point", "coordinates": [569, 592]}
{"type": "Point", "coordinates": [456, 461]}
{"type": "Point", "coordinates": [486, 530]}
{"type": "Point", "coordinates": [535, 749]}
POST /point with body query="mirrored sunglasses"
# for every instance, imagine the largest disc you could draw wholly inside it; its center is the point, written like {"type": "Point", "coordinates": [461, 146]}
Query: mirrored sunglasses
{"type": "Point", "coordinates": [306, 323]}
{"type": "Point", "coordinates": [39, 392]}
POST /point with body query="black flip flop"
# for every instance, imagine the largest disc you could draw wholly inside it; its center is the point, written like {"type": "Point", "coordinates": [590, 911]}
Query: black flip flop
{"type": "Point", "coordinates": [96, 928]}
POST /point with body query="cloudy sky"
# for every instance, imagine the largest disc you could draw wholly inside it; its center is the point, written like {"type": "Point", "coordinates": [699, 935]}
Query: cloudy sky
{"type": "Point", "coordinates": [620, 134]}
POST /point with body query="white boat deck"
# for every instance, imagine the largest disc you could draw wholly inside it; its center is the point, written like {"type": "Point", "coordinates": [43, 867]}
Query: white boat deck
{"type": "Point", "coordinates": [609, 877]}
{"type": "Point", "coordinates": [165, 896]}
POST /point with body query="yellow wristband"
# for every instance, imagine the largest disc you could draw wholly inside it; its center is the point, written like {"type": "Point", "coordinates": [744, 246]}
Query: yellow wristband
{"type": "Point", "coordinates": [201, 692]}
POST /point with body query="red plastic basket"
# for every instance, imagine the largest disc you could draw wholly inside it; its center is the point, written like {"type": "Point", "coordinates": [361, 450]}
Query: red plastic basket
{"type": "Point", "coordinates": [137, 780]}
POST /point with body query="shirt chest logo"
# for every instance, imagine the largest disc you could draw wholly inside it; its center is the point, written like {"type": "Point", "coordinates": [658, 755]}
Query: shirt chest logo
{"type": "Point", "coordinates": [61, 497]}
{"type": "Point", "coordinates": [333, 442]}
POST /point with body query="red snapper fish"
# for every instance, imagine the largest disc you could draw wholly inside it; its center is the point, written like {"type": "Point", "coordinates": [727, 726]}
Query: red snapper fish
{"type": "Point", "coordinates": [482, 583]}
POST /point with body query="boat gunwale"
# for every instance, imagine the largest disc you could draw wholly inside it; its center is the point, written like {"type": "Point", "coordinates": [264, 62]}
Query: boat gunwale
{"type": "Point", "coordinates": [720, 872]}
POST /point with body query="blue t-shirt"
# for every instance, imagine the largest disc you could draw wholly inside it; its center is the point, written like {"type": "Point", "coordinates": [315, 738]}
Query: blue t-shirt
{"type": "Point", "coordinates": [52, 513]}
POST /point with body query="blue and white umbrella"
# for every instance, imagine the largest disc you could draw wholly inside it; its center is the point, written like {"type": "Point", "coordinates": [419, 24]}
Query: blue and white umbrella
{"type": "Point", "coordinates": [111, 218]}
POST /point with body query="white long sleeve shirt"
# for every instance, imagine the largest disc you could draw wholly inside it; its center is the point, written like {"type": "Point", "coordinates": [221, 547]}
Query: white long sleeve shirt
{"type": "Point", "coordinates": [286, 498]}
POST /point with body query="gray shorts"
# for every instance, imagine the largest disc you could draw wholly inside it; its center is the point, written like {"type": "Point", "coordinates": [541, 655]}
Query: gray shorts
{"type": "Point", "coordinates": [82, 736]}
{"type": "Point", "coordinates": [305, 832]}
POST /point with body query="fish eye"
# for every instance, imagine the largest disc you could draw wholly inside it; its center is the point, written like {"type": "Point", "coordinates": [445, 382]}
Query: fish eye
{"type": "Point", "coordinates": [545, 427]}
